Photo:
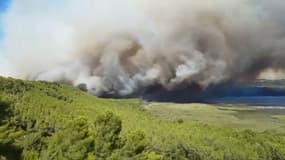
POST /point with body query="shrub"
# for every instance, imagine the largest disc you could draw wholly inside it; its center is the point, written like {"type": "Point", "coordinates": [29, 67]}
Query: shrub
{"type": "Point", "coordinates": [71, 143]}
{"type": "Point", "coordinates": [107, 128]}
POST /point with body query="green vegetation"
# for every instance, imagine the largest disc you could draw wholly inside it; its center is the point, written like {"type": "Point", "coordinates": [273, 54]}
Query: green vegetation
{"type": "Point", "coordinates": [51, 121]}
{"type": "Point", "coordinates": [241, 117]}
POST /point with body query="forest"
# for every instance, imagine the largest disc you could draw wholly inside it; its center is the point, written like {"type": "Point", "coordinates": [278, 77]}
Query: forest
{"type": "Point", "coordinates": [52, 121]}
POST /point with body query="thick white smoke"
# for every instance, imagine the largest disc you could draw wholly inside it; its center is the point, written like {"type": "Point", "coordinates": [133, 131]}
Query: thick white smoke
{"type": "Point", "coordinates": [121, 46]}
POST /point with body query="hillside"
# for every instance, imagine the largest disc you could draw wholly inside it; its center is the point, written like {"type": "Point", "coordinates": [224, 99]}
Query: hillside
{"type": "Point", "coordinates": [49, 121]}
{"type": "Point", "coordinates": [271, 83]}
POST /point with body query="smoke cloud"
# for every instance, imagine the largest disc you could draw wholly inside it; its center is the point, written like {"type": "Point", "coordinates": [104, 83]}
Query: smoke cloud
{"type": "Point", "coordinates": [122, 47]}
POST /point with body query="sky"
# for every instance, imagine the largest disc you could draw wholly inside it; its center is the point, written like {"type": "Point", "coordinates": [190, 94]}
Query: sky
{"type": "Point", "coordinates": [3, 7]}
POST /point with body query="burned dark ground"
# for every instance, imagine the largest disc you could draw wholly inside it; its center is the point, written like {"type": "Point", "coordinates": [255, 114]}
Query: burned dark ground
{"type": "Point", "coordinates": [238, 93]}
{"type": "Point", "coordinates": [258, 93]}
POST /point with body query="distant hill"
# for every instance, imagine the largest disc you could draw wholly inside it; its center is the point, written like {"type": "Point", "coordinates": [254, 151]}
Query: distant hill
{"type": "Point", "coordinates": [50, 121]}
{"type": "Point", "coordinates": [270, 83]}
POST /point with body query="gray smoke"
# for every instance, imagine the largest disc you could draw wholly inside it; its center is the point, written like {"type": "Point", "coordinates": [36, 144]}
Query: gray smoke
{"type": "Point", "coordinates": [120, 47]}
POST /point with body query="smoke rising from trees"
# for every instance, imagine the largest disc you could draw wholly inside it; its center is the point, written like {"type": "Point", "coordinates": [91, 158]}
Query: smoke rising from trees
{"type": "Point", "coordinates": [120, 47]}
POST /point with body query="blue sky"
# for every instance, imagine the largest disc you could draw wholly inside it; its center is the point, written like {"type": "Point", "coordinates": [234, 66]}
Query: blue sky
{"type": "Point", "coordinates": [3, 7]}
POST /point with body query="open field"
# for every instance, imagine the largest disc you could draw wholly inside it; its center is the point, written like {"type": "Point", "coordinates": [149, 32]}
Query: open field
{"type": "Point", "coordinates": [241, 117]}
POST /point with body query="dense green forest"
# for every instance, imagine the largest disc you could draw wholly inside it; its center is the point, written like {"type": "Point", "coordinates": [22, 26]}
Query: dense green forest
{"type": "Point", "coordinates": [51, 121]}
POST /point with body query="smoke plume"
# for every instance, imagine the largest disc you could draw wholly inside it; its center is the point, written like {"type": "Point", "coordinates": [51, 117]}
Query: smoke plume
{"type": "Point", "coordinates": [120, 47]}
